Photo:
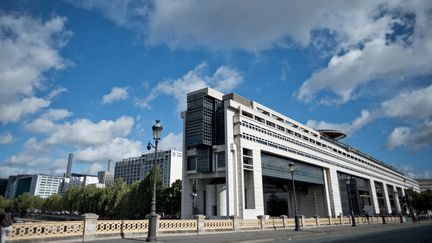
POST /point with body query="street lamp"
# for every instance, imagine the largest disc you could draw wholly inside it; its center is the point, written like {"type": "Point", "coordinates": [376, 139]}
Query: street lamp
{"type": "Point", "coordinates": [152, 226]}
{"type": "Point", "coordinates": [193, 195]}
{"type": "Point", "coordinates": [348, 182]}
{"type": "Point", "coordinates": [296, 219]}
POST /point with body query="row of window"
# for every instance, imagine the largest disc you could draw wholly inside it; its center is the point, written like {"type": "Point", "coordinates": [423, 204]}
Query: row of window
{"type": "Point", "coordinates": [287, 139]}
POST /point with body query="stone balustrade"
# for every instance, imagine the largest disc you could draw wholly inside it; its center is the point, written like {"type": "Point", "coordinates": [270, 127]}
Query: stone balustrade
{"type": "Point", "coordinates": [91, 228]}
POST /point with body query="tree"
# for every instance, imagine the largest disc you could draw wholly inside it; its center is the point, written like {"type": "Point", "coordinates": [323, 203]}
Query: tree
{"type": "Point", "coordinates": [71, 199]}
{"type": "Point", "coordinates": [171, 202]}
{"type": "Point", "coordinates": [53, 203]}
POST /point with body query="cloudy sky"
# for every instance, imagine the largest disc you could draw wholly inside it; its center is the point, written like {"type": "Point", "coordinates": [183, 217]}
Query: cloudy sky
{"type": "Point", "coordinates": [91, 76]}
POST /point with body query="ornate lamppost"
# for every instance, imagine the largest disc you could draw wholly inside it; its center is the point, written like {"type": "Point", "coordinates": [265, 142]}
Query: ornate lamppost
{"type": "Point", "coordinates": [152, 226]}
{"type": "Point", "coordinates": [296, 219]}
{"type": "Point", "coordinates": [348, 183]}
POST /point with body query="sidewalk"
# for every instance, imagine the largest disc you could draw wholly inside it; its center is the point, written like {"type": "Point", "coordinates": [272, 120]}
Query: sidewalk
{"type": "Point", "coordinates": [268, 235]}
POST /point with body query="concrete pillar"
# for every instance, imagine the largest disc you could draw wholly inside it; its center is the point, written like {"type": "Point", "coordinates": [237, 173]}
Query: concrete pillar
{"type": "Point", "coordinates": [221, 200]}
{"type": "Point", "coordinates": [200, 223]}
{"type": "Point", "coordinates": [327, 193]}
{"type": "Point", "coordinates": [386, 198]}
{"type": "Point", "coordinates": [334, 192]}
{"type": "Point", "coordinates": [317, 220]}
{"type": "Point", "coordinates": [284, 221]}
{"type": "Point", "coordinates": [302, 220]}
{"type": "Point", "coordinates": [90, 226]}
{"type": "Point", "coordinates": [262, 219]}
{"type": "Point", "coordinates": [374, 196]}
{"type": "Point", "coordinates": [210, 199]}
{"type": "Point", "coordinates": [396, 198]}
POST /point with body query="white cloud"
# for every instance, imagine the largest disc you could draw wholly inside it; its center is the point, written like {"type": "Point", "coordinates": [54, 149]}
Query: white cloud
{"type": "Point", "coordinates": [115, 94]}
{"type": "Point", "coordinates": [28, 48]}
{"type": "Point", "coordinates": [379, 53]}
{"type": "Point", "coordinates": [56, 114]}
{"type": "Point", "coordinates": [35, 157]}
{"type": "Point", "coordinates": [83, 132]}
{"type": "Point", "coordinates": [6, 138]}
{"type": "Point", "coordinates": [115, 149]}
{"type": "Point", "coordinates": [172, 141]}
{"type": "Point", "coordinates": [13, 112]}
{"type": "Point", "coordinates": [414, 138]}
{"type": "Point", "coordinates": [125, 13]}
{"type": "Point", "coordinates": [348, 128]}
{"type": "Point", "coordinates": [224, 79]}
{"type": "Point", "coordinates": [93, 169]}
{"type": "Point", "coordinates": [414, 105]}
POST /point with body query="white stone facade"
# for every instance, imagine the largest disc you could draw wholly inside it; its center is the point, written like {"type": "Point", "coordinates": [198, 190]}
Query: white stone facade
{"type": "Point", "coordinates": [250, 130]}
{"type": "Point", "coordinates": [136, 168]}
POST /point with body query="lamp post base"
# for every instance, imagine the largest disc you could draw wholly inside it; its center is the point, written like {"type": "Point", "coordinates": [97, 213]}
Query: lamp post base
{"type": "Point", "coordinates": [152, 227]}
{"type": "Point", "coordinates": [297, 223]}
{"type": "Point", "coordinates": [353, 220]}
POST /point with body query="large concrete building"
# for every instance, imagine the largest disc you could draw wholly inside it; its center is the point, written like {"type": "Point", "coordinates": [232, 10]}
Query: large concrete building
{"type": "Point", "coordinates": [37, 185]}
{"type": "Point", "coordinates": [236, 156]}
{"type": "Point", "coordinates": [136, 168]}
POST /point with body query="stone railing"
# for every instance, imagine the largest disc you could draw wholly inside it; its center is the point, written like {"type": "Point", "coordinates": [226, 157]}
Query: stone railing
{"type": "Point", "coordinates": [91, 228]}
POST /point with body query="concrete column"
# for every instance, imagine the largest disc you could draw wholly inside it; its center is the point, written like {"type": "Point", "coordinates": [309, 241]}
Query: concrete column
{"type": "Point", "coordinates": [221, 200]}
{"type": "Point", "coordinates": [386, 198]}
{"type": "Point", "coordinates": [262, 219]}
{"type": "Point", "coordinates": [90, 226]}
{"type": "Point", "coordinates": [284, 221]}
{"type": "Point", "coordinates": [231, 166]}
{"type": "Point", "coordinates": [334, 192]}
{"type": "Point", "coordinates": [396, 198]}
{"type": "Point", "coordinates": [374, 196]}
{"type": "Point", "coordinates": [210, 199]}
{"type": "Point", "coordinates": [200, 223]}
{"type": "Point", "coordinates": [327, 193]}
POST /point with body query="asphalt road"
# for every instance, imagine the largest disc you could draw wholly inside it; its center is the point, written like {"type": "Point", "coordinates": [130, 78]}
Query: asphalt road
{"type": "Point", "coordinates": [390, 233]}
{"type": "Point", "coordinates": [419, 234]}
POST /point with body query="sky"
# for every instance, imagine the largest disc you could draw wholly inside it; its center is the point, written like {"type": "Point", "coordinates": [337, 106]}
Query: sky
{"type": "Point", "coordinates": [90, 77]}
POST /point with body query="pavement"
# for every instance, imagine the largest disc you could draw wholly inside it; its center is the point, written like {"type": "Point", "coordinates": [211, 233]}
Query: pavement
{"type": "Point", "coordinates": [315, 234]}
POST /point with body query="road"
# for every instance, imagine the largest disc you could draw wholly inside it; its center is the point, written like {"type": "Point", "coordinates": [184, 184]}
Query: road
{"type": "Point", "coordinates": [390, 233]}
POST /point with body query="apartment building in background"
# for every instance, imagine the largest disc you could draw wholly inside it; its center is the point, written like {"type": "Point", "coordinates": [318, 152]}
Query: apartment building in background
{"type": "Point", "coordinates": [136, 168]}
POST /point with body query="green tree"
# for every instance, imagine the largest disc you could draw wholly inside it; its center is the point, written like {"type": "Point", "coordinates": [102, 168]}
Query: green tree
{"type": "Point", "coordinates": [71, 198]}
{"type": "Point", "coordinates": [171, 199]}
{"type": "Point", "coordinates": [112, 198]}
{"type": "Point", "coordinates": [24, 203]}
{"type": "Point", "coordinates": [53, 203]}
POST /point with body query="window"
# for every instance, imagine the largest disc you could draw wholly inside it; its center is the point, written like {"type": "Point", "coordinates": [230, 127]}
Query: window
{"type": "Point", "coordinates": [191, 163]}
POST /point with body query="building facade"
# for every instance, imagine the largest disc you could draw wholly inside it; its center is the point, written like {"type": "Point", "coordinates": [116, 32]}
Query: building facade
{"type": "Point", "coordinates": [236, 157]}
{"type": "Point", "coordinates": [425, 184]}
{"type": "Point", "coordinates": [136, 168]}
{"type": "Point", "coordinates": [76, 179]}
{"type": "Point", "coordinates": [37, 185]}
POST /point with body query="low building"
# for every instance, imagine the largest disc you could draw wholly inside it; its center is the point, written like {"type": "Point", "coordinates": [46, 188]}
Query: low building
{"type": "Point", "coordinates": [76, 179]}
{"type": "Point", "coordinates": [136, 168]}
{"type": "Point", "coordinates": [37, 185]}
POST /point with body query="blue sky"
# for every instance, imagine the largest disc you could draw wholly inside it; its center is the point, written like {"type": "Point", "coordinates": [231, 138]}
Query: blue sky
{"type": "Point", "coordinates": [90, 77]}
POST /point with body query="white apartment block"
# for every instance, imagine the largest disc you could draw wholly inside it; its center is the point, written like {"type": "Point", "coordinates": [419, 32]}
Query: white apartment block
{"type": "Point", "coordinates": [37, 185]}
{"type": "Point", "coordinates": [236, 156]}
{"type": "Point", "coordinates": [76, 179]}
{"type": "Point", "coordinates": [136, 168]}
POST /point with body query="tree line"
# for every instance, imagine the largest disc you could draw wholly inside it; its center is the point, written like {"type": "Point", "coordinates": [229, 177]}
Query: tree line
{"type": "Point", "coordinates": [116, 201]}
